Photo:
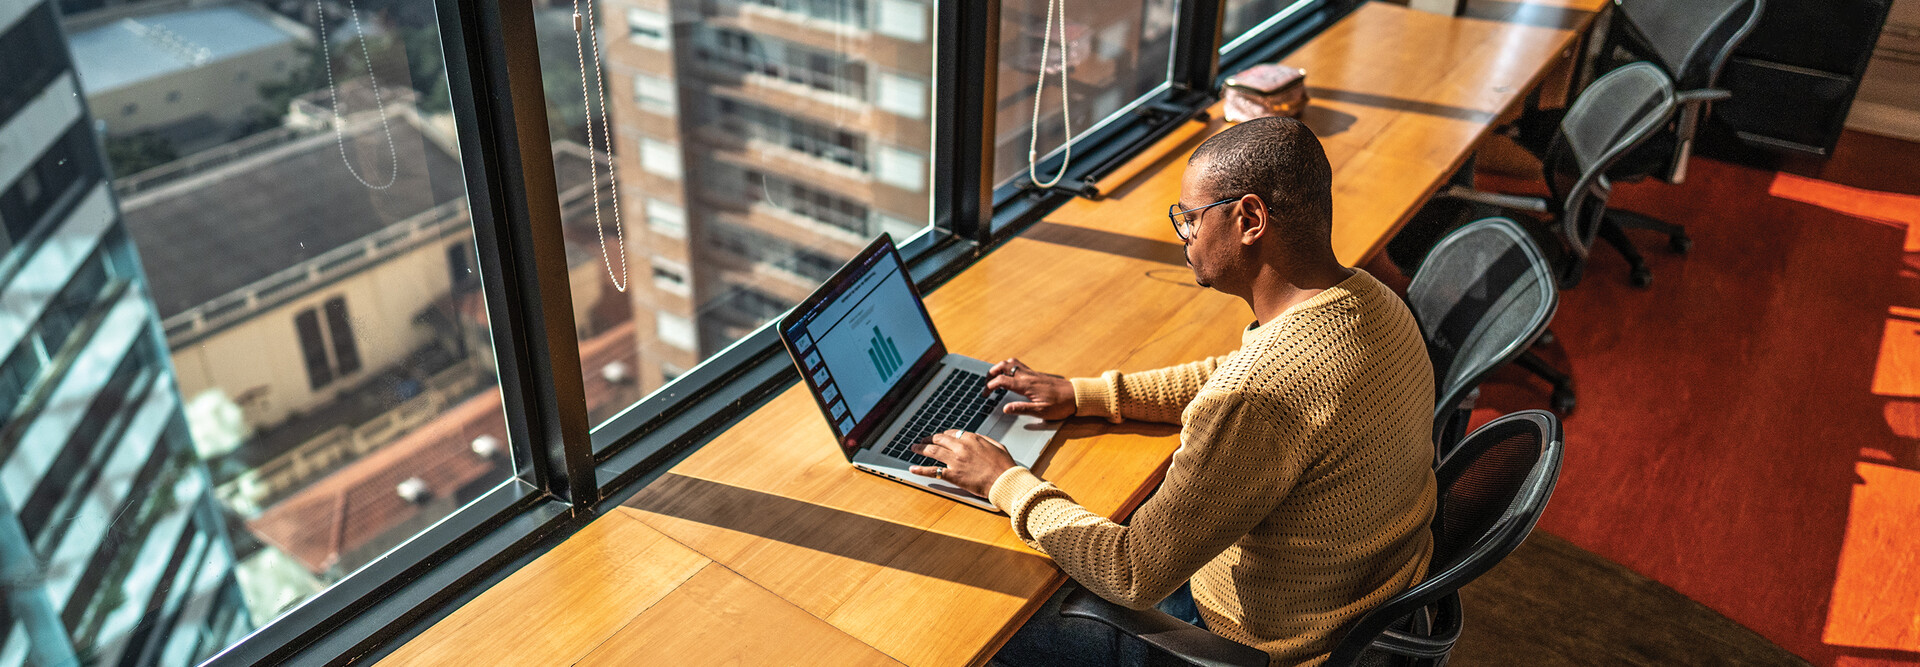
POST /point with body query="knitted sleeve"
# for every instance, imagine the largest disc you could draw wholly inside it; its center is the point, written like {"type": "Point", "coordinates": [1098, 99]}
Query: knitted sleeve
{"type": "Point", "coordinates": [1158, 395]}
{"type": "Point", "coordinates": [1233, 467]}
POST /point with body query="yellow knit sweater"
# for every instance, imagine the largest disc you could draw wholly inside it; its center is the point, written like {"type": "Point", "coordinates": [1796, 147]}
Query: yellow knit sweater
{"type": "Point", "coordinates": [1301, 493]}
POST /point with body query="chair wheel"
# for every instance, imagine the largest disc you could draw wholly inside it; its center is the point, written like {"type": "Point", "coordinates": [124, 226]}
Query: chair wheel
{"type": "Point", "coordinates": [1563, 401]}
{"type": "Point", "coordinates": [1641, 276]}
{"type": "Point", "coordinates": [1680, 244]}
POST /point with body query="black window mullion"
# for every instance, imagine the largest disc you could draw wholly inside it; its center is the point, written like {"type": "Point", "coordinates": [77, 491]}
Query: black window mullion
{"type": "Point", "coordinates": [1196, 45]}
{"type": "Point", "coordinates": [508, 160]}
{"type": "Point", "coordinates": [966, 66]}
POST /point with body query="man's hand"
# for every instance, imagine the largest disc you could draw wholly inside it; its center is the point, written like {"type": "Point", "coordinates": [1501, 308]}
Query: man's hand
{"type": "Point", "coordinates": [973, 461]}
{"type": "Point", "coordinates": [1049, 396]}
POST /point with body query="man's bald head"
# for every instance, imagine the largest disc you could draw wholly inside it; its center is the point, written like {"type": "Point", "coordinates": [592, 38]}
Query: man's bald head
{"type": "Point", "coordinates": [1280, 160]}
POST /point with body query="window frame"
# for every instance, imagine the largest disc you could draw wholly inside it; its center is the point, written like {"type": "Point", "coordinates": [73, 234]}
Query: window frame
{"type": "Point", "coordinates": [568, 471]}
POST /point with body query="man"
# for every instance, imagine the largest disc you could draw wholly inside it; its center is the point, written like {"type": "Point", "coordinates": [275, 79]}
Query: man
{"type": "Point", "coordinates": [1302, 491]}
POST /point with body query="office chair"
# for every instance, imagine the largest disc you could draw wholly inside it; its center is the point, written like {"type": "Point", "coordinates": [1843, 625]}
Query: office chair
{"type": "Point", "coordinates": [1493, 489]}
{"type": "Point", "coordinates": [1691, 41]}
{"type": "Point", "coordinates": [1610, 119]}
{"type": "Point", "coordinates": [1483, 296]}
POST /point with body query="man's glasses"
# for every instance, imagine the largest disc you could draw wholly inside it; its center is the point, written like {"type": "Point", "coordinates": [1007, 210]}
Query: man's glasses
{"type": "Point", "coordinates": [1183, 225]}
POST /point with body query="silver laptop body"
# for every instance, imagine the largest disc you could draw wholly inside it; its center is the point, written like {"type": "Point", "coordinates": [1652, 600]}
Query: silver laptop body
{"type": "Point", "coordinates": [868, 351]}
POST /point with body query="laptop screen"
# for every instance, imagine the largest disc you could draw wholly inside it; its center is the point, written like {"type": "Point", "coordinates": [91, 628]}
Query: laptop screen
{"type": "Point", "coordinates": [859, 338]}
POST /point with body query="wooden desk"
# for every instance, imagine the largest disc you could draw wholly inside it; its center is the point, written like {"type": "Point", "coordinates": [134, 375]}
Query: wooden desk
{"type": "Point", "coordinates": [766, 547]}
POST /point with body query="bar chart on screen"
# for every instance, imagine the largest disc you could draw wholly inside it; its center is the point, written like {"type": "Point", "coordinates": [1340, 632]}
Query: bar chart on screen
{"type": "Point", "coordinates": [883, 353]}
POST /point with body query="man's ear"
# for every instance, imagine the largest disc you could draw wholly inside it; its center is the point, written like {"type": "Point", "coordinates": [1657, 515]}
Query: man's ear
{"type": "Point", "coordinates": [1254, 219]}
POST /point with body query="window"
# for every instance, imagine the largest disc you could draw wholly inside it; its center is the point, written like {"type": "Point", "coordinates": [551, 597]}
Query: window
{"type": "Point", "coordinates": [1112, 56]}
{"type": "Point", "coordinates": [226, 311]}
{"type": "Point", "coordinates": [460, 266]}
{"type": "Point", "coordinates": [792, 196]}
{"type": "Point", "coordinates": [243, 325]}
{"type": "Point", "coordinates": [848, 12]}
{"type": "Point", "coordinates": [51, 179]}
{"type": "Point", "coordinates": [34, 57]}
{"type": "Point", "coordinates": [655, 94]}
{"type": "Point", "coordinates": [667, 218]}
{"type": "Point", "coordinates": [313, 349]}
{"type": "Point", "coordinates": [675, 330]}
{"type": "Point", "coordinates": [769, 251]}
{"type": "Point", "coordinates": [660, 158]}
{"type": "Point", "coordinates": [346, 355]}
{"type": "Point", "coordinates": [902, 169]}
{"type": "Point", "coordinates": [670, 276]}
{"type": "Point", "coordinates": [743, 53]}
{"type": "Point", "coordinates": [783, 130]}
{"type": "Point", "coordinates": [754, 305]}
{"type": "Point", "coordinates": [902, 95]}
{"type": "Point", "coordinates": [775, 175]}
{"type": "Point", "coordinates": [649, 29]}
{"type": "Point", "coordinates": [333, 356]}
{"type": "Point", "coordinates": [902, 19]}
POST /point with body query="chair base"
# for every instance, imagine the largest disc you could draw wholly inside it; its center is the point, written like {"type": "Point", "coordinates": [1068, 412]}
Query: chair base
{"type": "Point", "coordinates": [1613, 230]}
{"type": "Point", "coordinates": [1563, 398]}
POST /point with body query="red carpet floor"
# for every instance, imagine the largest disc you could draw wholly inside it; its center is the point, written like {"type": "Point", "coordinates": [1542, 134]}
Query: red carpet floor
{"type": "Point", "coordinates": [1748, 430]}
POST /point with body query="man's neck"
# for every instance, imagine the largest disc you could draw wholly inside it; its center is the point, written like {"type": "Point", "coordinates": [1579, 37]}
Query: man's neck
{"type": "Point", "coordinates": [1273, 292]}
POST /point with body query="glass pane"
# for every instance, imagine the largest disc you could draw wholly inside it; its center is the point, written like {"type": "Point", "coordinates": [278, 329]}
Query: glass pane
{"type": "Point", "coordinates": [1116, 51]}
{"type": "Point", "coordinates": [242, 348]}
{"type": "Point", "coordinates": [743, 149]}
{"type": "Point", "coordinates": [1245, 15]}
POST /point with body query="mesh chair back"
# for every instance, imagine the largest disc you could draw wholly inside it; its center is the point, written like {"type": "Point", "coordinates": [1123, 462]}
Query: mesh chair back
{"type": "Point", "coordinates": [1610, 118]}
{"type": "Point", "coordinates": [1484, 293]}
{"type": "Point", "coordinates": [1691, 39]}
{"type": "Point", "coordinates": [1492, 492]}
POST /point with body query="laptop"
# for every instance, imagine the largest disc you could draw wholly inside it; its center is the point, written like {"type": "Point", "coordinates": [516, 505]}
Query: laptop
{"type": "Point", "coordinates": [884, 380]}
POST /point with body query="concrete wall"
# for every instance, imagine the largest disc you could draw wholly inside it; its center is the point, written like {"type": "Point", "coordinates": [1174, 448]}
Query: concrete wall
{"type": "Point", "coordinates": [222, 90]}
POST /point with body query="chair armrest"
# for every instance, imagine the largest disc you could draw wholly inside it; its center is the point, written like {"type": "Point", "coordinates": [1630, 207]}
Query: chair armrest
{"type": "Point", "coordinates": [1534, 204]}
{"type": "Point", "coordinates": [1425, 642]}
{"type": "Point", "coordinates": [1686, 97]}
{"type": "Point", "coordinates": [1162, 631]}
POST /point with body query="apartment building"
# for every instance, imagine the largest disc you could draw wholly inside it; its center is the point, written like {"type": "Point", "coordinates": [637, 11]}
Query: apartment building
{"type": "Point", "coordinates": [111, 548]}
{"type": "Point", "coordinates": [760, 143]}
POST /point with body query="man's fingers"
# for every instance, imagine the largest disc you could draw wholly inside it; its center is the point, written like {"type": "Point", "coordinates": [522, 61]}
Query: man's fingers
{"type": "Point", "coordinates": [1024, 408]}
{"type": "Point", "coordinates": [1001, 368]}
{"type": "Point", "coordinates": [924, 471]}
{"type": "Point", "coordinates": [994, 382]}
{"type": "Point", "coordinates": [935, 450]}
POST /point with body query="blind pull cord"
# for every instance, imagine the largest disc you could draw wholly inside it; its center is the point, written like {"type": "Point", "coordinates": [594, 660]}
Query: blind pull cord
{"type": "Point", "coordinates": [583, 35]}
{"type": "Point", "coordinates": [1066, 119]}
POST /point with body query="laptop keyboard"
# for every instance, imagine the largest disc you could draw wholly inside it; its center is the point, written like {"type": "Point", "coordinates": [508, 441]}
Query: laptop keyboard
{"type": "Point", "coordinates": [956, 404]}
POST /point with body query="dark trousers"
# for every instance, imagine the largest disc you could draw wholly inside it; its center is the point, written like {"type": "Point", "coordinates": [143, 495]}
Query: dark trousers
{"type": "Point", "coordinates": [1051, 640]}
